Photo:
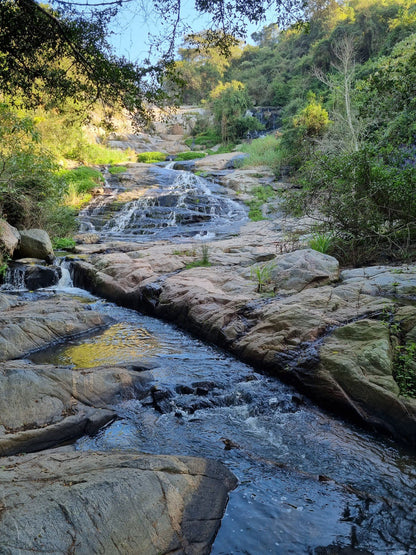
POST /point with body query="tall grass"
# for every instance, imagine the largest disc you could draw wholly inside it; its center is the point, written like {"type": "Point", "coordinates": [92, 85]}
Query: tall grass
{"type": "Point", "coordinates": [151, 157]}
{"type": "Point", "coordinates": [79, 183]}
{"type": "Point", "coordinates": [95, 154]}
{"type": "Point", "coordinates": [263, 152]}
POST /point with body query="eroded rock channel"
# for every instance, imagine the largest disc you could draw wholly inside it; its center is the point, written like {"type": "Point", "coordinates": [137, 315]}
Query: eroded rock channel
{"type": "Point", "coordinates": [308, 482]}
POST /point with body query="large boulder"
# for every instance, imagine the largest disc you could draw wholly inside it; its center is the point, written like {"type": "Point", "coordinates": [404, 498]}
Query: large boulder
{"type": "Point", "coordinates": [35, 243]}
{"type": "Point", "coordinates": [42, 405]}
{"type": "Point", "coordinates": [356, 373]}
{"type": "Point", "coordinates": [33, 325]}
{"type": "Point", "coordinates": [303, 268]}
{"type": "Point", "coordinates": [38, 276]}
{"type": "Point", "coordinates": [218, 161]}
{"type": "Point", "coordinates": [9, 238]}
{"type": "Point", "coordinates": [115, 503]}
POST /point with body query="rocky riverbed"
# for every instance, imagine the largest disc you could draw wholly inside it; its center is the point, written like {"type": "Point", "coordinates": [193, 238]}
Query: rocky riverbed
{"type": "Point", "coordinates": [294, 313]}
{"type": "Point", "coordinates": [289, 311]}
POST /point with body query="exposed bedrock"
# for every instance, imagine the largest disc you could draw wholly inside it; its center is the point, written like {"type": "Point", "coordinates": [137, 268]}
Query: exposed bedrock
{"type": "Point", "coordinates": [43, 405]}
{"type": "Point", "coordinates": [313, 327]}
{"type": "Point", "coordinates": [86, 502]}
{"type": "Point", "coordinates": [29, 325]}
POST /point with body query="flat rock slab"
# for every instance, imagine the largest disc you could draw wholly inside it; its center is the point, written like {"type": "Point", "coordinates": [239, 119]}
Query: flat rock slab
{"type": "Point", "coordinates": [111, 503]}
{"type": "Point", "coordinates": [43, 405]}
{"type": "Point", "coordinates": [25, 326]}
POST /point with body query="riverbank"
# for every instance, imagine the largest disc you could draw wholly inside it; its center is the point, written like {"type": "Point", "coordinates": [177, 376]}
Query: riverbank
{"type": "Point", "coordinates": [285, 309]}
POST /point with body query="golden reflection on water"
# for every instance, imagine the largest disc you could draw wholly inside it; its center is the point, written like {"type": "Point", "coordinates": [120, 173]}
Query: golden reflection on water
{"type": "Point", "coordinates": [121, 343]}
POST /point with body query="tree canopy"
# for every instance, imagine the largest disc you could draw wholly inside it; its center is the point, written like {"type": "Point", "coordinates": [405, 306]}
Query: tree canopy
{"type": "Point", "coordinates": [52, 52]}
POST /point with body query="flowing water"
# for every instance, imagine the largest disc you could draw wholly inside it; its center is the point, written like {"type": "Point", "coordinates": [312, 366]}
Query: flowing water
{"type": "Point", "coordinates": [308, 482]}
{"type": "Point", "coordinates": [164, 204]}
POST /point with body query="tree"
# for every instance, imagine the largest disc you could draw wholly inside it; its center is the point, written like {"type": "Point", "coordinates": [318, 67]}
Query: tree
{"type": "Point", "coordinates": [52, 53]}
{"type": "Point", "coordinates": [229, 104]}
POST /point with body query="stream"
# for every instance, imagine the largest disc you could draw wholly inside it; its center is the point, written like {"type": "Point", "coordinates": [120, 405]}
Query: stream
{"type": "Point", "coordinates": [308, 482]}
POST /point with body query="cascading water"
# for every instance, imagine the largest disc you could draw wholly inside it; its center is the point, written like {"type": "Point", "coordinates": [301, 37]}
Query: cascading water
{"type": "Point", "coordinates": [166, 204]}
{"type": "Point", "coordinates": [14, 279]}
{"type": "Point", "coordinates": [308, 483]}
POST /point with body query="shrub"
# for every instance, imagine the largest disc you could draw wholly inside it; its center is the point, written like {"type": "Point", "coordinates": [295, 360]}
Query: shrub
{"type": "Point", "coordinates": [63, 243]}
{"type": "Point", "coordinates": [83, 178]}
{"type": "Point", "coordinates": [151, 157]}
{"type": "Point", "coordinates": [114, 170]}
{"type": "Point", "coordinates": [206, 139]}
{"type": "Point", "coordinates": [368, 203]}
{"type": "Point", "coordinates": [405, 369]}
{"type": "Point", "coordinates": [189, 156]}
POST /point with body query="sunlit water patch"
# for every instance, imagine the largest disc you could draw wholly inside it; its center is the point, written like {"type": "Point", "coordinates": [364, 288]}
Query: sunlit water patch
{"type": "Point", "coordinates": [308, 483]}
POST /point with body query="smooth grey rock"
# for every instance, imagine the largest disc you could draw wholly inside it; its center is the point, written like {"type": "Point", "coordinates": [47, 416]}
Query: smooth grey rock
{"type": "Point", "coordinates": [387, 280]}
{"type": "Point", "coordinates": [9, 238]}
{"type": "Point", "coordinates": [44, 405]}
{"type": "Point", "coordinates": [302, 268]}
{"type": "Point", "coordinates": [35, 243]}
{"type": "Point", "coordinates": [25, 326]}
{"type": "Point", "coordinates": [112, 503]}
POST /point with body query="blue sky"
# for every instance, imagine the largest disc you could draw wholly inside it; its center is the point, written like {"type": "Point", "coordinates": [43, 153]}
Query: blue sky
{"type": "Point", "coordinates": [135, 23]}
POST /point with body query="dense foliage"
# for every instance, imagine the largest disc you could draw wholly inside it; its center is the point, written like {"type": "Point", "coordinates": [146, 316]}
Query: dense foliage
{"type": "Point", "coordinates": [344, 84]}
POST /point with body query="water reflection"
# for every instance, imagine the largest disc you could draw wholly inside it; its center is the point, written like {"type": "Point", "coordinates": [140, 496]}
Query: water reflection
{"type": "Point", "coordinates": [308, 483]}
{"type": "Point", "coordinates": [120, 344]}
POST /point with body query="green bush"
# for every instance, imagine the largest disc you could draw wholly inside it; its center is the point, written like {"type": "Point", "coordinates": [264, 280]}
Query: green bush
{"type": "Point", "coordinates": [60, 219]}
{"type": "Point", "coordinates": [189, 156]}
{"type": "Point", "coordinates": [367, 202]}
{"type": "Point", "coordinates": [151, 157]}
{"type": "Point", "coordinates": [114, 170]}
{"type": "Point", "coordinates": [63, 243]}
{"type": "Point", "coordinates": [206, 139]}
{"type": "Point", "coordinates": [83, 178]}
{"type": "Point", "coordinates": [405, 369]}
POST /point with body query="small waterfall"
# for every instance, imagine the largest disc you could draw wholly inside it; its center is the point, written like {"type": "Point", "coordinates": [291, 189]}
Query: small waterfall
{"type": "Point", "coordinates": [90, 216]}
{"type": "Point", "coordinates": [14, 279]}
{"type": "Point", "coordinates": [66, 280]}
{"type": "Point", "coordinates": [183, 205]}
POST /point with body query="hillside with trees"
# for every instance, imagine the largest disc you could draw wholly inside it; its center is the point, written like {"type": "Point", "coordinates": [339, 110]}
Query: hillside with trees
{"type": "Point", "coordinates": [341, 81]}
{"type": "Point", "coordinates": [343, 84]}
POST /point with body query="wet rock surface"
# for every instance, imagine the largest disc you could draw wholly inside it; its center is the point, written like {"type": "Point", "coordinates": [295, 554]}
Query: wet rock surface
{"type": "Point", "coordinates": [90, 502]}
{"type": "Point", "coordinates": [333, 335]}
{"type": "Point", "coordinates": [33, 324]}
{"type": "Point", "coordinates": [284, 329]}
{"type": "Point", "coordinates": [111, 503]}
{"type": "Point", "coordinates": [42, 405]}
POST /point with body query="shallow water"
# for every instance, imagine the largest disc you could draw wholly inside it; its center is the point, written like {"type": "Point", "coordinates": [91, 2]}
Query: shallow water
{"type": "Point", "coordinates": [166, 204]}
{"type": "Point", "coordinates": [306, 480]}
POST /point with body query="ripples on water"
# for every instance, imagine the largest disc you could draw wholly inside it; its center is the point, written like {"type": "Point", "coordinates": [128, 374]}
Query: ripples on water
{"type": "Point", "coordinates": [307, 480]}
{"type": "Point", "coordinates": [166, 204]}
